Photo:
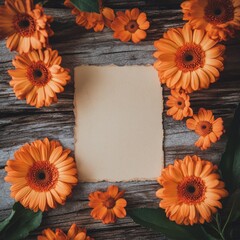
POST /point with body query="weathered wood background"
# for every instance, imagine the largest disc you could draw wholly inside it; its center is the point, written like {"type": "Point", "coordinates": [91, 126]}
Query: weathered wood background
{"type": "Point", "coordinates": [20, 123]}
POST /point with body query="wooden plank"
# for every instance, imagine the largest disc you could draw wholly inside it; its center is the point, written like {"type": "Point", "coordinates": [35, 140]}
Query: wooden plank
{"type": "Point", "coordinates": [20, 123]}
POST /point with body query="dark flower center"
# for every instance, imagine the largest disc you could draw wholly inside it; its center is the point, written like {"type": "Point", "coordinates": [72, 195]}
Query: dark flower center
{"type": "Point", "coordinates": [190, 57]}
{"type": "Point", "coordinates": [110, 203]}
{"type": "Point", "coordinates": [191, 190]}
{"type": "Point", "coordinates": [219, 11]}
{"type": "Point", "coordinates": [203, 128]}
{"type": "Point", "coordinates": [42, 176]}
{"type": "Point", "coordinates": [24, 25]}
{"type": "Point", "coordinates": [132, 26]}
{"type": "Point", "coordinates": [38, 74]}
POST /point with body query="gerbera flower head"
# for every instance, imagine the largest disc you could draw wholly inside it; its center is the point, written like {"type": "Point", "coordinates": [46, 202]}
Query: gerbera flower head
{"type": "Point", "coordinates": [179, 103]}
{"type": "Point", "coordinates": [38, 77]}
{"type": "Point", "coordinates": [191, 191]}
{"type": "Point", "coordinates": [74, 233]}
{"type": "Point", "coordinates": [92, 20]}
{"type": "Point", "coordinates": [188, 59]}
{"type": "Point", "coordinates": [131, 25]}
{"type": "Point", "coordinates": [207, 127]}
{"type": "Point", "coordinates": [220, 18]}
{"type": "Point", "coordinates": [26, 27]}
{"type": "Point", "coordinates": [42, 174]}
{"type": "Point", "coordinates": [108, 206]}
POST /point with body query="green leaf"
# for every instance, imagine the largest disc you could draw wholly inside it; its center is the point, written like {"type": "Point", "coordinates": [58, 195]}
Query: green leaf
{"type": "Point", "coordinates": [86, 5]}
{"type": "Point", "coordinates": [20, 223]}
{"type": "Point", "coordinates": [156, 220]}
{"type": "Point", "coordinates": [231, 212]}
{"type": "Point", "coordinates": [230, 162]}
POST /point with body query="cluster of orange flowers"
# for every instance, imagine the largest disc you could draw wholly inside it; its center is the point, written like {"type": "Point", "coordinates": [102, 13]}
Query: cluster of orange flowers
{"type": "Point", "coordinates": [42, 175]}
{"type": "Point", "coordinates": [130, 25]}
{"type": "Point", "coordinates": [191, 58]}
{"type": "Point", "coordinates": [38, 75]}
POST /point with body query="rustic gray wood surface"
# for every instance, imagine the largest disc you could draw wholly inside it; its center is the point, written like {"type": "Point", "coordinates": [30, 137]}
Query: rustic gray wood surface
{"type": "Point", "coordinates": [20, 123]}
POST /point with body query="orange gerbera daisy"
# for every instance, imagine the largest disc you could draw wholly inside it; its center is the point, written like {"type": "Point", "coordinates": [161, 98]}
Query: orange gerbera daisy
{"type": "Point", "coordinates": [25, 27]}
{"type": "Point", "coordinates": [42, 175]}
{"type": "Point", "coordinates": [74, 233]}
{"type": "Point", "coordinates": [179, 103]}
{"type": "Point", "coordinates": [205, 125]}
{"type": "Point", "coordinates": [92, 20]}
{"type": "Point", "coordinates": [38, 77]}
{"type": "Point", "coordinates": [191, 191]}
{"type": "Point", "coordinates": [188, 59]}
{"type": "Point", "coordinates": [109, 205]}
{"type": "Point", "coordinates": [131, 25]}
{"type": "Point", "coordinates": [220, 18]}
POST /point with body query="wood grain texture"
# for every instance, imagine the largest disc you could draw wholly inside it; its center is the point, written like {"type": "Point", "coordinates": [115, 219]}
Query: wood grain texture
{"type": "Point", "coordinates": [20, 123]}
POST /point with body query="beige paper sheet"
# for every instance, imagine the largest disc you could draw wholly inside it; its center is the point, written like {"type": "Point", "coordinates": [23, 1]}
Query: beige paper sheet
{"type": "Point", "coordinates": [118, 129]}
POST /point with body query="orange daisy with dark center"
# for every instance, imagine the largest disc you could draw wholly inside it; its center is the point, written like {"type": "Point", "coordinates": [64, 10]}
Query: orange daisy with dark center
{"type": "Point", "coordinates": [26, 27]}
{"type": "Point", "coordinates": [179, 104]}
{"type": "Point", "coordinates": [219, 11]}
{"type": "Point", "coordinates": [130, 25]}
{"type": "Point", "coordinates": [38, 77]}
{"type": "Point", "coordinates": [108, 206]}
{"type": "Point", "coordinates": [191, 191]}
{"type": "Point", "coordinates": [42, 175]}
{"type": "Point", "coordinates": [207, 127]}
{"type": "Point", "coordinates": [188, 59]}
{"type": "Point", "coordinates": [220, 18]}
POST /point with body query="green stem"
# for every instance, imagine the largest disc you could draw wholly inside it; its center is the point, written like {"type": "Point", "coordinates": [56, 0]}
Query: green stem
{"type": "Point", "coordinates": [219, 230]}
{"type": "Point", "coordinates": [226, 223]}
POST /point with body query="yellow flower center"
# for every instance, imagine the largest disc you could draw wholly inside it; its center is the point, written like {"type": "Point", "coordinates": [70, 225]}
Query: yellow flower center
{"type": "Point", "coordinates": [203, 128]}
{"type": "Point", "coordinates": [132, 27]}
{"type": "Point", "coordinates": [42, 176]}
{"type": "Point", "coordinates": [24, 25]}
{"type": "Point", "coordinates": [38, 74]}
{"type": "Point", "coordinates": [191, 190]}
{"type": "Point", "coordinates": [219, 11]}
{"type": "Point", "coordinates": [190, 57]}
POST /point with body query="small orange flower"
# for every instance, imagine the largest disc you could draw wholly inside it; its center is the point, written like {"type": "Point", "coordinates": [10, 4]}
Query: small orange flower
{"type": "Point", "coordinates": [179, 103]}
{"type": "Point", "coordinates": [131, 25]}
{"type": "Point", "coordinates": [109, 205]}
{"type": "Point", "coordinates": [191, 191]}
{"type": "Point", "coordinates": [38, 77]}
{"type": "Point", "coordinates": [220, 18]}
{"type": "Point", "coordinates": [74, 233]}
{"type": "Point", "coordinates": [92, 20]}
{"type": "Point", "coordinates": [25, 27]}
{"type": "Point", "coordinates": [188, 59]}
{"type": "Point", "coordinates": [42, 175]}
{"type": "Point", "coordinates": [209, 129]}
